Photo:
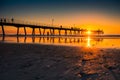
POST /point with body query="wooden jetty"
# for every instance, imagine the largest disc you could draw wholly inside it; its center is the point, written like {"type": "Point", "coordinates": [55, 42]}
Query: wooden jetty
{"type": "Point", "coordinates": [52, 29]}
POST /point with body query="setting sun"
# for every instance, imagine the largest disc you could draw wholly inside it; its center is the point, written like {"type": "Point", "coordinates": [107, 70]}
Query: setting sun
{"type": "Point", "coordinates": [89, 32]}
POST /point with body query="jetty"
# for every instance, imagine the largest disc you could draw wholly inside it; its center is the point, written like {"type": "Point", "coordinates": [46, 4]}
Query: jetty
{"type": "Point", "coordinates": [43, 28]}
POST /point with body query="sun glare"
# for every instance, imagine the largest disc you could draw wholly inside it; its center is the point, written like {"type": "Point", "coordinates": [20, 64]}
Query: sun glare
{"type": "Point", "coordinates": [89, 32]}
{"type": "Point", "coordinates": [88, 42]}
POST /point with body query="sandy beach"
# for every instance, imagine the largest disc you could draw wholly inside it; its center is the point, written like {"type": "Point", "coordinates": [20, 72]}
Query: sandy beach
{"type": "Point", "coordinates": [52, 62]}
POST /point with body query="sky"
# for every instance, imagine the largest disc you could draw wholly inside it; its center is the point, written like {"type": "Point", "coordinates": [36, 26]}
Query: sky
{"type": "Point", "coordinates": [88, 14]}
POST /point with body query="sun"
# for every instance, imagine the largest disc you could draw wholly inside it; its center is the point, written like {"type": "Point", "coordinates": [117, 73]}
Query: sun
{"type": "Point", "coordinates": [89, 32]}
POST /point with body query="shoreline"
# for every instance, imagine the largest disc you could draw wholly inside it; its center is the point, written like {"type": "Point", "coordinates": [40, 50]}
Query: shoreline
{"type": "Point", "coordinates": [52, 62]}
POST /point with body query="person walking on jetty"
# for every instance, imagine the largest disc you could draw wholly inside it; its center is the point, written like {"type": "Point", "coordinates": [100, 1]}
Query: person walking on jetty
{"type": "Point", "coordinates": [1, 20]}
{"type": "Point", "coordinates": [5, 20]}
{"type": "Point", "coordinates": [12, 20]}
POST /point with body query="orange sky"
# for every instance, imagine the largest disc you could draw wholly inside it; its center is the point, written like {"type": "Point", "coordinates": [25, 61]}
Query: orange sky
{"type": "Point", "coordinates": [87, 14]}
{"type": "Point", "coordinates": [87, 20]}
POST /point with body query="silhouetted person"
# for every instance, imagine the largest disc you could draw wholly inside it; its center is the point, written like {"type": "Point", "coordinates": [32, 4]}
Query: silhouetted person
{"type": "Point", "coordinates": [5, 20]}
{"type": "Point", "coordinates": [0, 20]}
{"type": "Point", "coordinates": [12, 20]}
{"type": "Point", "coordinates": [71, 27]}
{"type": "Point", "coordinates": [61, 26]}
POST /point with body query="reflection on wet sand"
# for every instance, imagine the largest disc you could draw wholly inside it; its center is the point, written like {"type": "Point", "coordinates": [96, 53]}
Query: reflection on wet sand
{"type": "Point", "coordinates": [52, 40]}
{"type": "Point", "coordinates": [68, 41]}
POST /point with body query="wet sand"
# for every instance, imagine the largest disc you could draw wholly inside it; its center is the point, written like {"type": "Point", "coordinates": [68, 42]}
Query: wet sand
{"type": "Point", "coordinates": [50, 62]}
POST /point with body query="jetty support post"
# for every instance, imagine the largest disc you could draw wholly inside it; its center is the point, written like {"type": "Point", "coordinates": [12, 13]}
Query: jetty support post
{"type": "Point", "coordinates": [3, 38]}
{"type": "Point", "coordinates": [40, 31]}
{"type": "Point", "coordinates": [65, 32]}
{"type": "Point", "coordinates": [59, 32]}
{"type": "Point", "coordinates": [25, 31]}
{"type": "Point", "coordinates": [70, 32]}
{"type": "Point", "coordinates": [53, 31]}
{"type": "Point", "coordinates": [44, 31]}
{"type": "Point", "coordinates": [3, 31]}
{"type": "Point", "coordinates": [33, 31]}
{"type": "Point", "coordinates": [17, 30]}
{"type": "Point", "coordinates": [50, 32]}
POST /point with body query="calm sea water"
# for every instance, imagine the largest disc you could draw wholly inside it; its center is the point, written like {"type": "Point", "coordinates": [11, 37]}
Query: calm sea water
{"type": "Point", "coordinates": [101, 42]}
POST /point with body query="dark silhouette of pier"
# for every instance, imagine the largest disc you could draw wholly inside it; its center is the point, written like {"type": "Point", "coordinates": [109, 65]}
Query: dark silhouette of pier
{"type": "Point", "coordinates": [51, 28]}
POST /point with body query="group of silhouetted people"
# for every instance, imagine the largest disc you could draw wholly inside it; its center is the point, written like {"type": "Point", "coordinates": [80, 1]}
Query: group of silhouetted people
{"type": "Point", "coordinates": [4, 20]}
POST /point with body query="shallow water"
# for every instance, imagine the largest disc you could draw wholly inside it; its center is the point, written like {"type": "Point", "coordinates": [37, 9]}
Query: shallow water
{"type": "Point", "coordinates": [101, 42]}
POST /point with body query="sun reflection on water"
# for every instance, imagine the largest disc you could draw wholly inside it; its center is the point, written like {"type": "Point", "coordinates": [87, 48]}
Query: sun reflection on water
{"type": "Point", "coordinates": [88, 41]}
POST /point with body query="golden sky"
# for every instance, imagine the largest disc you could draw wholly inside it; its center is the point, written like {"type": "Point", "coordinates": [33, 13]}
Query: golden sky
{"type": "Point", "coordinates": [87, 14]}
